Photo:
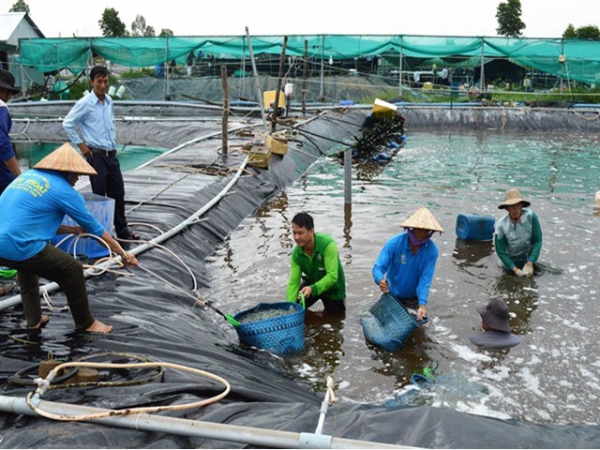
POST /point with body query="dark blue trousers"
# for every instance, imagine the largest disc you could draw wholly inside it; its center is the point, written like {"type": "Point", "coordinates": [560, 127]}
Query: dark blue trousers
{"type": "Point", "coordinates": [109, 183]}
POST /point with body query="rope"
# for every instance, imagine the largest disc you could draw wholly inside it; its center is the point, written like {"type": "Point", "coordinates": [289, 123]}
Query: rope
{"type": "Point", "coordinates": [43, 386]}
{"type": "Point", "coordinates": [581, 116]}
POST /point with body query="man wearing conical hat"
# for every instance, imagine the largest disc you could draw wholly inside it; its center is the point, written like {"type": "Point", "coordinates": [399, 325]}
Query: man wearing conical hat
{"type": "Point", "coordinates": [9, 168]}
{"type": "Point", "coordinates": [406, 263]}
{"type": "Point", "coordinates": [33, 207]}
{"type": "Point", "coordinates": [518, 239]}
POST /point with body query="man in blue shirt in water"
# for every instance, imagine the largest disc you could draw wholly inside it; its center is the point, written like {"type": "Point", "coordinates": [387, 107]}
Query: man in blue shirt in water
{"type": "Point", "coordinates": [9, 168]}
{"type": "Point", "coordinates": [406, 263]}
{"type": "Point", "coordinates": [33, 207]}
{"type": "Point", "coordinates": [94, 114]}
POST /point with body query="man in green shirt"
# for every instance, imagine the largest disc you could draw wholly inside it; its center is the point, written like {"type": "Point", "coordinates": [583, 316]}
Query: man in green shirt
{"type": "Point", "coordinates": [315, 270]}
{"type": "Point", "coordinates": [518, 239]}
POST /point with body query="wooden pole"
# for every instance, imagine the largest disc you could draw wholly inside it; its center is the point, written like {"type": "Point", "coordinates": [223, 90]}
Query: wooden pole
{"type": "Point", "coordinates": [279, 78]}
{"type": "Point", "coordinates": [256, 83]}
{"type": "Point", "coordinates": [225, 109]}
{"type": "Point", "coordinates": [304, 78]}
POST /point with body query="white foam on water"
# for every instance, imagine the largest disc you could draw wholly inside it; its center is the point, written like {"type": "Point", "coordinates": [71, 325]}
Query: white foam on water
{"type": "Point", "coordinates": [467, 354]}
{"type": "Point", "coordinates": [481, 409]}
{"type": "Point", "coordinates": [531, 382]}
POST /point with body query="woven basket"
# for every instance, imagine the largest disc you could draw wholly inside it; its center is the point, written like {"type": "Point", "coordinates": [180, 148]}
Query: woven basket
{"type": "Point", "coordinates": [388, 324]}
{"type": "Point", "coordinates": [280, 335]}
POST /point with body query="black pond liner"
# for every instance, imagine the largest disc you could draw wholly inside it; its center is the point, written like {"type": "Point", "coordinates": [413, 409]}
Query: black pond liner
{"type": "Point", "coordinates": [158, 322]}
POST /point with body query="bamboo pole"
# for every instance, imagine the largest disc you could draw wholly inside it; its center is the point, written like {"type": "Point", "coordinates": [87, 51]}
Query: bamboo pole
{"type": "Point", "coordinates": [305, 78]}
{"type": "Point", "coordinates": [279, 77]}
{"type": "Point", "coordinates": [225, 108]}
{"type": "Point", "coordinates": [256, 83]}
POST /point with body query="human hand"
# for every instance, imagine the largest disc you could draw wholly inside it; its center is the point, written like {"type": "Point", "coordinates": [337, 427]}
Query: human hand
{"type": "Point", "coordinates": [421, 313]}
{"type": "Point", "coordinates": [85, 150]}
{"type": "Point", "coordinates": [306, 290]}
{"type": "Point", "coordinates": [129, 259]}
{"type": "Point", "coordinates": [518, 272]}
{"type": "Point", "coordinates": [384, 286]}
{"type": "Point", "coordinates": [528, 269]}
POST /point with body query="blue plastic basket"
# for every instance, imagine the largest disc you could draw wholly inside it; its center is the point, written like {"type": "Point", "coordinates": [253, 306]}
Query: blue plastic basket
{"type": "Point", "coordinates": [388, 324]}
{"type": "Point", "coordinates": [280, 335]}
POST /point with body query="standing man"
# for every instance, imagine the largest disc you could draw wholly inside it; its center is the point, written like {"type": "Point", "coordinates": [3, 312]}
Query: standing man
{"type": "Point", "coordinates": [518, 239]}
{"type": "Point", "coordinates": [406, 263]}
{"type": "Point", "coordinates": [94, 114]}
{"type": "Point", "coordinates": [9, 168]}
{"type": "Point", "coordinates": [316, 257]}
{"type": "Point", "coordinates": [33, 207]}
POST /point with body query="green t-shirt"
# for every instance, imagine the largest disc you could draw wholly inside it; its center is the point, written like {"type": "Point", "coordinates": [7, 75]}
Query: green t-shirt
{"type": "Point", "coordinates": [323, 270]}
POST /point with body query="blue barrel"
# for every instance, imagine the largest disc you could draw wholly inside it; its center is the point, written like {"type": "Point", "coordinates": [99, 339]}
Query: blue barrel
{"type": "Point", "coordinates": [475, 227]}
{"type": "Point", "coordinates": [103, 209]}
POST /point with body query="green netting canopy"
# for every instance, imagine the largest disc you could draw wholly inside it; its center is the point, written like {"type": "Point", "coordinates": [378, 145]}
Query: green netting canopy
{"type": "Point", "coordinates": [572, 58]}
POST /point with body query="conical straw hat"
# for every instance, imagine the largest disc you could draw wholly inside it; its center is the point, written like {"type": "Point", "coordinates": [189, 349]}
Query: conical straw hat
{"type": "Point", "coordinates": [66, 159]}
{"type": "Point", "coordinates": [423, 219]}
{"type": "Point", "coordinates": [512, 198]}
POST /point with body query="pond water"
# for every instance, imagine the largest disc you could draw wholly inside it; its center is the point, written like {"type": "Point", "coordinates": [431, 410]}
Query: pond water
{"type": "Point", "coordinates": [552, 377]}
{"type": "Point", "coordinates": [130, 156]}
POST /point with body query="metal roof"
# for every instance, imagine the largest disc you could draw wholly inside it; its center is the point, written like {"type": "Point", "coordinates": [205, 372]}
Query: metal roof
{"type": "Point", "coordinates": [10, 21]}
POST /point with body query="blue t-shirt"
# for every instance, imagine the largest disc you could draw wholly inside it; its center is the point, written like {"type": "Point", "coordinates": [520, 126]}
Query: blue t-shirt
{"type": "Point", "coordinates": [408, 275]}
{"type": "Point", "coordinates": [33, 207]}
{"type": "Point", "coordinates": [6, 148]}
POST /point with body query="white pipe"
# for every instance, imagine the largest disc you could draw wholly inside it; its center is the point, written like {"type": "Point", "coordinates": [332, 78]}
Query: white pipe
{"type": "Point", "coordinates": [51, 287]}
{"type": "Point", "coordinates": [259, 437]}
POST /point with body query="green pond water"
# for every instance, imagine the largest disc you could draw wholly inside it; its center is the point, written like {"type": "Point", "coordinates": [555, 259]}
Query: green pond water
{"type": "Point", "coordinates": [552, 377]}
{"type": "Point", "coordinates": [130, 156]}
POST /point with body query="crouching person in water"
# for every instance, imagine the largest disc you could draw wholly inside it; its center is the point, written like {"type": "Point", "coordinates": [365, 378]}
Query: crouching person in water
{"type": "Point", "coordinates": [315, 268]}
{"type": "Point", "coordinates": [518, 239]}
{"type": "Point", "coordinates": [496, 327]}
{"type": "Point", "coordinates": [33, 207]}
{"type": "Point", "coordinates": [408, 261]}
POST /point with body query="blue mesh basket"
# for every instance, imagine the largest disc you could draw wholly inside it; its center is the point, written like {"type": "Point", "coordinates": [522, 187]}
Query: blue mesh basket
{"type": "Point", "coordinates": [388, 324]}
{"type": "Point", "coordinates": [282, 334]}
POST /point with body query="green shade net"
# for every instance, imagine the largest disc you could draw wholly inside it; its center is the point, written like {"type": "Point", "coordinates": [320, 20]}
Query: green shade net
{"type": "Point", "coordinates": [581, 58]}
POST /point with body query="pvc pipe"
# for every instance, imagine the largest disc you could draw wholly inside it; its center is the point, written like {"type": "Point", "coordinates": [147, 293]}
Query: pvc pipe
{"type": "Point", "coordinates": [53, 286]}
{"type": "Point", "coordinates": [259, 437]}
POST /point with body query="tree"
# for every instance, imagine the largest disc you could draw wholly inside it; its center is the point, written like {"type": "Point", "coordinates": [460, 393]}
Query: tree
{"type": "Point", "coordinates": [165, 32]}
{"type": "Point", "coordinates": [570, 32]}
{"type": "Point", "coordinates": [140, 28]}
{"type": "Point", "coordinates": [589, 32]}
{"type": "Point", "coordinates": [20, 6]}
{"type": "Point", "coordinates": [509, 19]}
{"type": "Point", "coordinates": [111, 25]}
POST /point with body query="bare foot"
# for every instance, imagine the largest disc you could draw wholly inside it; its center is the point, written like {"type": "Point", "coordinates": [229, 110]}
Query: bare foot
{"type": "Point", "coordinates": [42, 323]}
{"type": "Point", "coordinates": [99, 327]}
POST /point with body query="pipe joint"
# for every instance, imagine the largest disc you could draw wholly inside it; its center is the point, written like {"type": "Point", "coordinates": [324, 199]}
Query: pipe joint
{"type": "Point", "coordinates": [309, 440]}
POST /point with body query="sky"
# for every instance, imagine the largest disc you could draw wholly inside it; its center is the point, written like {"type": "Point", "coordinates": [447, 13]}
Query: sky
{"type": "Point", "coordinates": [543, 18]}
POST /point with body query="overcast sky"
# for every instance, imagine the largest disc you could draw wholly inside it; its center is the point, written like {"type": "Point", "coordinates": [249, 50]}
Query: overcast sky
{"type": "Point", "coordinates": [543, 18]}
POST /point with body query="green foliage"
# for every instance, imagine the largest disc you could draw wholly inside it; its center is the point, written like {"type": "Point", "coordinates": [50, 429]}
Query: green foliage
{"type": "Point", "coordinates": [140, 28]}
{"type": "Point", "coordinates": [570, 32]}
{"type": "Point", "coordinates": [509, 19]}
{"type": "Point", "coordinates": [589, 32]}
{"type": "Point", "coordinates": [20, 6]}
{"type": "Point", "coordinates": [166, 32]}
{"type": "Point", "coordinates": [144, 72]}
{"type": "Point", "coordinates": [111, 25]}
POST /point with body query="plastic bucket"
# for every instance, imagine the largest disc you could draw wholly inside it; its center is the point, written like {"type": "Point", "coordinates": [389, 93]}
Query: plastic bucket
{"type": "Point", "coordinates": [475, 227]}
{"type": "Point", "coordinates": [103, 209]}
{"type": "Point", "coordinates": [388, 324]}
{"type": "Point", "coordinates": [280, 335]}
